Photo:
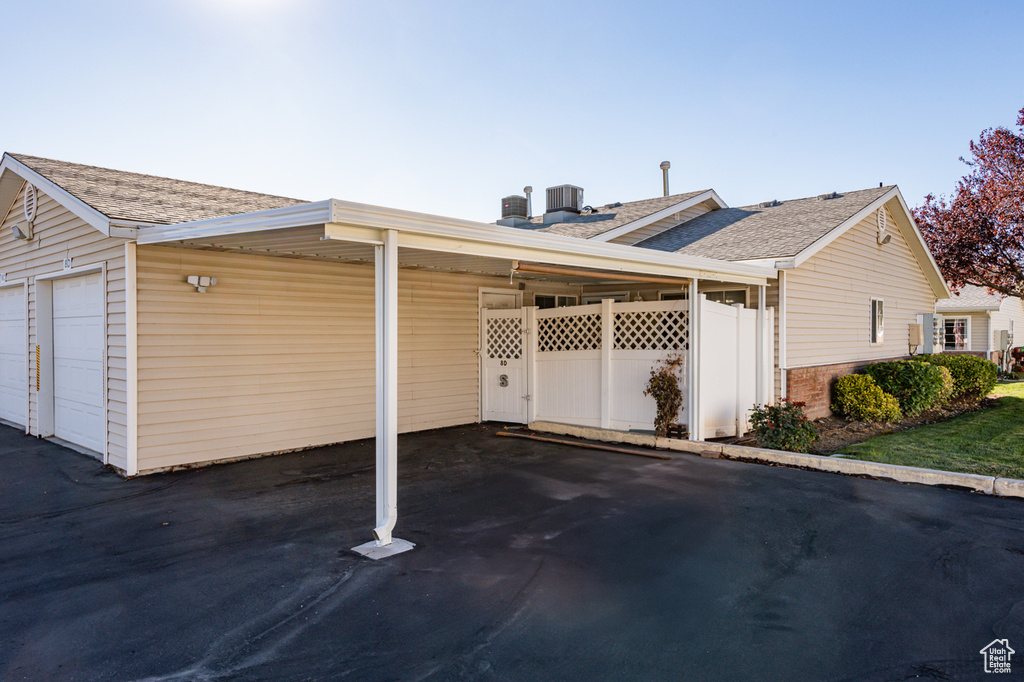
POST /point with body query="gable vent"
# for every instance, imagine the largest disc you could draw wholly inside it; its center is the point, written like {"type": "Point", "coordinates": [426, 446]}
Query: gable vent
{"type": "Point", "coordinates": [29, 204]}
{"type": "Point", "coordinates": [882, 221]}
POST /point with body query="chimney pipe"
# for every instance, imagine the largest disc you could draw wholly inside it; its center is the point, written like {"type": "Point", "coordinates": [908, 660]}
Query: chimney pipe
{"type": "Point", "coordinates": [528, 190]}
{"type": "Point", "coordinates": [665, 165]}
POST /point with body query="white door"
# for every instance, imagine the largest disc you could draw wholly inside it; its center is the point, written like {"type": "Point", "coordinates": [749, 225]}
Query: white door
{"type": "Point", "coordinates": [78, 360]}
{"type": "Point", "coordinates": [503, 365]}
{"type": "Point", "coordinates": [13, 349]}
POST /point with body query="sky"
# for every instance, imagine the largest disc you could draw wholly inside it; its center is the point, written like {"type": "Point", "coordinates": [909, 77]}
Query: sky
{"type": "Point", "coordinates": [445, 107]}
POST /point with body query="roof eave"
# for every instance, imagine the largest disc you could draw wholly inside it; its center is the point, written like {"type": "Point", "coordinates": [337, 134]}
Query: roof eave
{"type": "Point", "coordinates": [460, 236]}
{"type": "Point", "coordinates": [659, 215]}
{"type": "Point", "coordinates": [68, 200]}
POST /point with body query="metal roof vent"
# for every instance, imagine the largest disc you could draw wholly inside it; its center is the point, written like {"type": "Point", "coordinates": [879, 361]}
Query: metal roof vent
{"type": "Point", "coordinates": [514, 206]}
{"type": "Point", "coordinates": [29, 203]}
{"type": "Point", "coordinates": [565, 198]}
{"type": "Point", "coordinates": [827, 195]}
{"type": "Point", "coordinates": [769, 204]}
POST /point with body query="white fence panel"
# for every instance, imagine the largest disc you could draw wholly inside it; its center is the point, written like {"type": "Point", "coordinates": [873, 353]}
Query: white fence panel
{"type": "Point", "coordinates": [718, 369]}
{"type": "Point", "coordinates": [567, 375]}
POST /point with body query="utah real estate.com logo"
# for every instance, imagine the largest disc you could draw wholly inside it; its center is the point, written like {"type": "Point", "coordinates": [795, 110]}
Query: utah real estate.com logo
{"type": "Point", "coordinates": [997, 656]}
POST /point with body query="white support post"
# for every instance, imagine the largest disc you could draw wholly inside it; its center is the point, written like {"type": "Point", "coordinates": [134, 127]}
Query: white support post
{"type": "Point", "coordinates": [386, 309]}
{"type": "Point", "coordinates": [760, 359]}
{"type": "Point", "coordinates": [530, 352]}
{"type": "Point", "coordinates": [692, 365]}
{"type": "Point", "coordinates": [781, 322]}
{"type": "Point", "coordinates": [740, 344]}
{"type": "Point", "coordinates": [607, 341]}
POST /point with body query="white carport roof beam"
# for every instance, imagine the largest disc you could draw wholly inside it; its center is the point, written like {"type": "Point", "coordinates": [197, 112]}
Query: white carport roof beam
{"type": "Point", "coordinates": [348, 221]}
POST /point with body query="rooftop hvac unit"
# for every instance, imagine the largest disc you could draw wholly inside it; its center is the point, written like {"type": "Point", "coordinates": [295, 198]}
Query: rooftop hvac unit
{"type": "Point", "coordinates": [565, 198]}
{"type": "Point", "coordinates": [514, 206]}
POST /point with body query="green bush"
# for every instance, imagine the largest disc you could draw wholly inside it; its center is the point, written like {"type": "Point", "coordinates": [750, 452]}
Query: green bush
{"type": "Point", "coordinates": [946, 394]}
{"type": "Point", "coordinates": [860, 398]}
{"type": "Point", "coordinates": [973, 377]}
{"type": "Point", "coordinates": [917, 385]}
{"type": "Point", "coordinates": [783, 426]}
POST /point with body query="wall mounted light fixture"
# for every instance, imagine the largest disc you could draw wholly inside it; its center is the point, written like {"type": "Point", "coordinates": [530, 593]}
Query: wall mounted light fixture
{"type": "Point", "coordinates": [201, 282]}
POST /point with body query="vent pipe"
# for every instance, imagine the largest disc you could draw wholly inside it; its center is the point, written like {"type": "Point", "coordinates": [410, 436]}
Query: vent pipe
{"type": "Point", "coordinates": [528, 190]}
{"type": "Point", "coordinates": [665, 165]}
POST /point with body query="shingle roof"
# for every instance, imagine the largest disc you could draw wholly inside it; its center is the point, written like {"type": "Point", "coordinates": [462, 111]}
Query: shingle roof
{"type": "Point", "coordinates": [971, 296]}
{"type": "Point", "coordinates": [121, 195]}
{"type": "Point", "coordinates": [606, 218]}
{"type": "Point", "coordinates": [750, 232]}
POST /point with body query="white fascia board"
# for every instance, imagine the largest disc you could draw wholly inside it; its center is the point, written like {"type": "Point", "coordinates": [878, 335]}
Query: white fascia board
{"type": "Point", "coordinates": [966, 309]}
{"type": "Point", "coordinates": [837, 232]}
{"type": "Point", "coordinates": [300, 215]}
{"type": "Point", "coordinates": [920, 248]}
{"type": "Point", "coordinates": [914, 240]}
{"type": "Point", "coordinates": [456, 236]}
{"type": "Point", "coordinates": [81, 209]}
{"type": "Point", "coordinates": [659, 215]}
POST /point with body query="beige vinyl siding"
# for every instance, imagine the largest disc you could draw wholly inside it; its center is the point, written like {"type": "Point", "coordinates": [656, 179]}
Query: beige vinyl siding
{"type": "Point", "coordinates": [59, 234]}
{"type": "Point", "coordinates": [279, 354]}
{"type": "Point", "coordinates": [828, 299]}
{"type": "Point", "coordinates": [979, 332]}
{"type": "Point", "coordinates": [640, 234]}
{"type": "Point", "coordinates": [1011, 309]}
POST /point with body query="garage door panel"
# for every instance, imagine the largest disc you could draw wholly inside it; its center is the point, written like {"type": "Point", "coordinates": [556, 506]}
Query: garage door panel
{"type": "Point", "coordinates": [78, 360]}
{"type": "Point", "coordinates": [13, 354]}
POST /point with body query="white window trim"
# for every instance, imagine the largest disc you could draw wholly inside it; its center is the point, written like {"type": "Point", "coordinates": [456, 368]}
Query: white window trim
{"type": "Point", "coordinates": [674, 292]}
{"type": "Point", "coordinates": [967, 332]}
{"type": "Point", "coordinates": [495, 290]}
{"type": "Point", "coordinates": [871, 322]}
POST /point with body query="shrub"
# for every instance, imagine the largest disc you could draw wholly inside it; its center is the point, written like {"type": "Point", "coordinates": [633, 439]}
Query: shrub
{"type": "Point", "coordinates": [663, 386]}
{"type": "Point", "coordinates": [783, 426]}
{"type": "Point", "coordinates": [917, 385]}
{"type": "Point", "coordinates": [973, 377]}
{"type": "Point", "coordinates": [1018, 375]}
{"type": "Point", "coordinates": [860, 398]}
{"type": "Point", "coordinates": [946, 394]}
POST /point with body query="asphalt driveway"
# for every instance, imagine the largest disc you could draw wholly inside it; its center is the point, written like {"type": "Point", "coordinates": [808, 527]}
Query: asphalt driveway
{"type": "Point", "coordinates": [534, 562]}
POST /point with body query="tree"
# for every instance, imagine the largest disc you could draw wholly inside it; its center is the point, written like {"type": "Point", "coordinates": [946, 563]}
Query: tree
{"type": "Point", "coordinates": [977, 237]}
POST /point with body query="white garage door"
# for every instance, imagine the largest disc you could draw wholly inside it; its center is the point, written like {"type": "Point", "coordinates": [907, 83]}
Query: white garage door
{"type": "Point", "coordinates": [78, 360]}
{"type": "Point", "coordinates": [13, 349]}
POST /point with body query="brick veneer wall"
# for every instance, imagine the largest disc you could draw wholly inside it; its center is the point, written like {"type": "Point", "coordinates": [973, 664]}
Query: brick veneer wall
{"type": "Point", "coordinates": [813, 385]}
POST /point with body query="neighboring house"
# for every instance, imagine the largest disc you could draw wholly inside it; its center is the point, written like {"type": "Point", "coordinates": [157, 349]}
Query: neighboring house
{"type": "Point", "coordinates": [854, 271]}
{"type": "Point", "coordinates": [974, 318]}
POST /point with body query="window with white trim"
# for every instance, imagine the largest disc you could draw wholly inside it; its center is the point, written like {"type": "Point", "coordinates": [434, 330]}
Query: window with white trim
{"type": "Point", "coordinates": [675, 295]}
{"type": "Point", "coordinates": [956, 333]}
{"type": "Point", "coordinates": [728, 296]}
{"type": "Point", "coordinates": [617, 296]}
{"type": "Point", "coordinates": [877, 320]}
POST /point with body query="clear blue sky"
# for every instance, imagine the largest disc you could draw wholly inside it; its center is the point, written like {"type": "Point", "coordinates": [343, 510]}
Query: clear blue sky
{"type": "Point", "coordinates": [445, 107]}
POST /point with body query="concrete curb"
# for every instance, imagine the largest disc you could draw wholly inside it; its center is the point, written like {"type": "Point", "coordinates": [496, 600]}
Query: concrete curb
{"type": "Point", "coordinates": [989, 485]}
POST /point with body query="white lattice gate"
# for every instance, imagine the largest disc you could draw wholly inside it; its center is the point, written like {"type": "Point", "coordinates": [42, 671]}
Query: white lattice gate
{"type": "Point", "coordinates": [503, 392]}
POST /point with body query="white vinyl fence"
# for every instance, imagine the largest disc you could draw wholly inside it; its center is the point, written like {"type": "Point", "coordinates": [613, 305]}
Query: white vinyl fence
{"type": "Point", "coordinates": [589, 365]}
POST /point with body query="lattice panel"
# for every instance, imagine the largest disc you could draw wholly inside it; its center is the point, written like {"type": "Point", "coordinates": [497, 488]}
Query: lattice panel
{"type": "Point", "coordinates": [504, 338]}
{"type": "Point", "coordinates": [569, 332]}
{"type": "Point", "coordinates": [652, 330]}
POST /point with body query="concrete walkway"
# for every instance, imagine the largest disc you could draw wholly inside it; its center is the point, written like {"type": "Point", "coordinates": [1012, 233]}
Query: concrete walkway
{"type": "Point", "coordinates": [533, 562]}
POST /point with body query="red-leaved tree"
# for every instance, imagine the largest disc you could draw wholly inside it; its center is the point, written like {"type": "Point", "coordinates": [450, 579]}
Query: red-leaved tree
{"type": "Point", "coordinates": [977, 237]}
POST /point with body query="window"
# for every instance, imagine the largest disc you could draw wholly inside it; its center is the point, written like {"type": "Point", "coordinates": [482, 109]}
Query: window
{"type": "Point", "coordinates": [545, 301]}
{"type": "Point", "coordinates": [877, 320]}
{"type": "Point", "coordinates": [617, 296]}
{"type": "Point", "coordinates": [728, 297]}
{"type": "Point", "coordinates": [679, 295]}
{"type": "Point", "coordinates": [956, 333]}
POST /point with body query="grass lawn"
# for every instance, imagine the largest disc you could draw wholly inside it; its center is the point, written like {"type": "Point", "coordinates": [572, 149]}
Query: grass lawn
{"type": "Point", "coordinates": [989, 441]}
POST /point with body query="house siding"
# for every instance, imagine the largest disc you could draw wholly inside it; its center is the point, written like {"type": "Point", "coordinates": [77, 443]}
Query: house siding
{"type": "Point", "coordinates": [60, 234]}
{"type": "Point", "coordinates": [279, 355]}
{"type": "Point", "coordinates": [828, 299]}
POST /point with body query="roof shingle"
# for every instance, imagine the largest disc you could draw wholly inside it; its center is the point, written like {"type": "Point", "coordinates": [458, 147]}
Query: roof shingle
{"type": "Point", "coordinates": [751, 232]}
{"type": "Point", "coordinates": [604, 218]}
{"type": "Point", "coordinates": [121, 195]}
{"type": "Point", "coordinates": [971, 296]}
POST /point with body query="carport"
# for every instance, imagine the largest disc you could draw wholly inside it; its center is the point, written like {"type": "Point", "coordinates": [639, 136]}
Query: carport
{"type": "Point", "coordinates": [392, 239]}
